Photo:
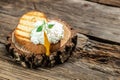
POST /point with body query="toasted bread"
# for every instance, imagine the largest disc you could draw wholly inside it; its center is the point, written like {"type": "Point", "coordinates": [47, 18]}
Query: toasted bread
{"type": "Point", "coordinates": [26, 25]}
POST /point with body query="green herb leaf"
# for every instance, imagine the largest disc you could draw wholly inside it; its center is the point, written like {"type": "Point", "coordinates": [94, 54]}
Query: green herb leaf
{"type": "Point", "coordinates": [40, 28]}
{"type": "Point", "coordinates": [50, 25]}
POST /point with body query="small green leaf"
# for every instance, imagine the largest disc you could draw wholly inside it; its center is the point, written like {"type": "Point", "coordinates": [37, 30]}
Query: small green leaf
{"type": "Point", "coordinates": [39, 28]}
{"type": "Point", "coordinates": [50, 25]}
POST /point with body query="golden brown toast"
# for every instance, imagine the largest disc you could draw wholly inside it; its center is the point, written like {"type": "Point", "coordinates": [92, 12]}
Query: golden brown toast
{"type": "Point", "coordinates": [26, 25]}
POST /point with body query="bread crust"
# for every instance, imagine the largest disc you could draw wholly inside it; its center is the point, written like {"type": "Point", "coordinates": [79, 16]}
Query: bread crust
{"type": "Point", "coordinates": [22, 36]}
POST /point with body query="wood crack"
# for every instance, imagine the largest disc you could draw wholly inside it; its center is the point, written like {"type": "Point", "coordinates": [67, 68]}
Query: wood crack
{"type": "Point", "coordinates": [113, 3]}
{"type": "Point", "coordinates": [97, 56]}
{"type": "Point", "coordinates": [35, 8]}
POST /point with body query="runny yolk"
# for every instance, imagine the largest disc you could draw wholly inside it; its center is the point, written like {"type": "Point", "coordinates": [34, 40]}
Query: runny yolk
{"type": "Point", "coordinates": [46, 44]}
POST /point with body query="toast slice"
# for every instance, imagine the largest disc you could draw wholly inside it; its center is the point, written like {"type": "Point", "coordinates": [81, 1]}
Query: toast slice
{"type": "Point", "coordinates": [26, 25]}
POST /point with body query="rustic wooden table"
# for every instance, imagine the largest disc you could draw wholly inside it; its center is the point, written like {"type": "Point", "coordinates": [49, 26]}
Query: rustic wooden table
{"type": "Point", "coordinates": [97, 56]}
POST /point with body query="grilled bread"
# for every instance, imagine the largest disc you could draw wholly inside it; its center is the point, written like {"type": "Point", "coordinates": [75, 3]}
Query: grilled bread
{"type": "Point", "coordinates": [24, 28]}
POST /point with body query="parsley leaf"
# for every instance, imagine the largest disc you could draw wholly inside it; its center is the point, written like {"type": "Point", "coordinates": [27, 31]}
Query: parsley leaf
{"type": "Point", "coordinates": [50, 26]}
{"type": "Point", "coordinates": [40, 28]}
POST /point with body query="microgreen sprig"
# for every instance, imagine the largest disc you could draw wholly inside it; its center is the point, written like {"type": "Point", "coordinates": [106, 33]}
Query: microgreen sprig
{"type": "Point", "coordinates": [50, 26]}
{"type": "Point", "coordinates": [41, 27]}
{"type": "Point", "coordinates": [44, 25]}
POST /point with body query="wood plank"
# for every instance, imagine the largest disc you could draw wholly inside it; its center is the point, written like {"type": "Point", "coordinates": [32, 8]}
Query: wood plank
{"type": "Point", "coordinates": [23, 3]}
{"type": "Point", "coordinates": [93, 60]}
{"type": "Point", "coordinates": [89, 18]}
{"type": "Point", "coordinates": [108, 2]}
{"type": "Point", "coordinates": [84, 64]}
{"type": "Point", "coordinates": [10, 11]}
{"type": "Point", "coordinates": [13, 72]}
{"type": "Point", "coordinates": [5, 30]}
{"type": "Point", "coordinates": [15, 7]}
{"type": "Point", "coordinates": [4, 18]}
{"type": "Point", "coordinates": [2, 78]}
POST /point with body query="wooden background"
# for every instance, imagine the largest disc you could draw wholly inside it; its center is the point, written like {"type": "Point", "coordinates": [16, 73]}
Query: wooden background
{"type": "Point", "coordinates": [108, 2]}
{"type": "Point", "coordinates": [97, 56]}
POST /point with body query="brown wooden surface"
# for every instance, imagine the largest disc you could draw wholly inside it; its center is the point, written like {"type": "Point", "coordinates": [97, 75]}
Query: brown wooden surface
{"type": "Point", "coordinates": [96, 58]}
{"type": "Point", "coordinates": [108, 2]}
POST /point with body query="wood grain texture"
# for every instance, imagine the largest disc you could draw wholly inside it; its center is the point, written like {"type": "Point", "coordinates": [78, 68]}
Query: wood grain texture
{"type": "Point", "coordinates": [94, 59]}
{"type": "Point", "coordinates": [108, 2]}
{"type": "Point", "coordinates": [15, 7]}
{"type": "Point", "coordinates": [89, 18]}
{"type": "Point", "coordinates": [91, 61]}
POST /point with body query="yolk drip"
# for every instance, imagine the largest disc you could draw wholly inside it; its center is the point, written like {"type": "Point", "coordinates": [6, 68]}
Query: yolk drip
{"type": "Point", "coordinates": [46, 44]}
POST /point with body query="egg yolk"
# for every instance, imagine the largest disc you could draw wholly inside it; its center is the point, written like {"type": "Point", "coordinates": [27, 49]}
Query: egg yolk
{"type": "Point", "coordinates": [46, 44]}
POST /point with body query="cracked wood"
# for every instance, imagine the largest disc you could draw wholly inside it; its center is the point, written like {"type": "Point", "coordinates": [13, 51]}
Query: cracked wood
{"type": "Point", "coordinates": [95, 60]}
